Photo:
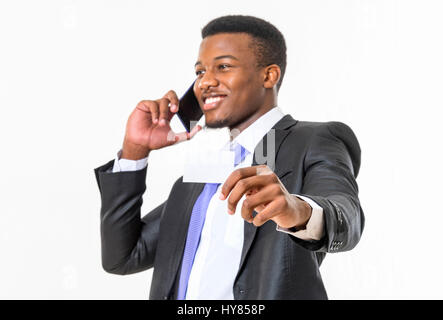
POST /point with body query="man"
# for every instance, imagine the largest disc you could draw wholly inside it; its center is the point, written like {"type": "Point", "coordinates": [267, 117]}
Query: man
{"type": "Point", "coordinates": [263, 233]}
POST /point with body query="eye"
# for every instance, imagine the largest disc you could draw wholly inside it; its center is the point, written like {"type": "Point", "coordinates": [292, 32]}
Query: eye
{"type": "Point", "coordinates": [199, 72]}
{"type": "Point", "coordinates": [224, 66]}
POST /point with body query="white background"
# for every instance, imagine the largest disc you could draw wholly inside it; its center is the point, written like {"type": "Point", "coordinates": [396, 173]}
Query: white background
{"type": "Point", "coordinates": [72, 71]}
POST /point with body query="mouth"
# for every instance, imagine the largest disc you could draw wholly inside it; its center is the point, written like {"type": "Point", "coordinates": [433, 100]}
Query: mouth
{"type": "Point", "coordinates": [212, 102]}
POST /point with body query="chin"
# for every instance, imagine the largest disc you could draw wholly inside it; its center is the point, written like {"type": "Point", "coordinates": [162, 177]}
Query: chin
{"type": "Point", "coordinates": [217, 123]}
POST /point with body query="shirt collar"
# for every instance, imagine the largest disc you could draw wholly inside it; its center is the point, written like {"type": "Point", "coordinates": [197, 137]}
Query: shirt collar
{"type": "Point", "coordinates": [252, 135]}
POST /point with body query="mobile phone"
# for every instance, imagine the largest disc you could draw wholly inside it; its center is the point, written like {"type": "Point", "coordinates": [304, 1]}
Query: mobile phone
{"type": "Point", "coordinates": [189, 111]}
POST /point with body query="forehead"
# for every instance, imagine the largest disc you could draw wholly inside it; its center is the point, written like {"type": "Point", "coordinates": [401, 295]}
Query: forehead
{"type": "Point", "coordinates": [236, 44]}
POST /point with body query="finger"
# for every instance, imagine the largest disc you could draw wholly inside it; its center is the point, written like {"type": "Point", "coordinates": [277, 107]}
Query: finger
{"type": "Point", "coordinates": [149, 107]}
{"type": "Point", "coordinates": [237, 175]}
{"type": "Point", "coordinates": [164, 111]}
{"type": "Point", "coordinates": [272, 210]}
{"type": "Point", "coordinates": [242, 187]}
{"type": "Point", "coordinates": [173, 101]}
{"type": "Point", "coordinates": [258, 200]}
{"type": "Point", "coordinates": [183, 136]}
{"type": "Point", "coordinates": [194, 131]}
{"type": "Point", "coordinates": [180, 137]}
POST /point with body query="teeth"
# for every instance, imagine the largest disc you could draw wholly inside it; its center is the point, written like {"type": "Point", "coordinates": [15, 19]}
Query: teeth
{"type": "Point", "coordinates": [213, 100]}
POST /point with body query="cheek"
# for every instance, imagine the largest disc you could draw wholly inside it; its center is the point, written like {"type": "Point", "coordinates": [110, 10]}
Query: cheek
{"type": "Point", "coordinates": [242, 88]}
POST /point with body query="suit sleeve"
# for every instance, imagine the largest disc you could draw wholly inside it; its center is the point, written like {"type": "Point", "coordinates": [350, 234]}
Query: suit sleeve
{"type": "Point", "coordinates": [128, 242]}
{"type": "Point", "coordinates": [331, 166]}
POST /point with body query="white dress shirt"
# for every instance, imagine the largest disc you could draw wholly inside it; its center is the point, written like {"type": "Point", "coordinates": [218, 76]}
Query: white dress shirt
{"type": "Point", "coordinates": [218, 255]}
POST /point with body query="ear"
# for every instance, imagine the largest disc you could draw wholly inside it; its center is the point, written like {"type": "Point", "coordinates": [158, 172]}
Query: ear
{"type": "Point", "coordinates": [272, 75]}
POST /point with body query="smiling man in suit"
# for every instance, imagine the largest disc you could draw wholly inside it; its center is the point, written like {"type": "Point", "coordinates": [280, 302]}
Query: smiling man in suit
{"type": "Point", "coordinates": [263, 233]}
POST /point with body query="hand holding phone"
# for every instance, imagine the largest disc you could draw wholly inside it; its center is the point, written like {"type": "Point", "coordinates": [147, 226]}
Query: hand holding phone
{"type": "Point", "coordinates": [148, 127]}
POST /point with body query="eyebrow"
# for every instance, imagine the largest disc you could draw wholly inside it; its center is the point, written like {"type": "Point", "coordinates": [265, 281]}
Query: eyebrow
{"type": "Point", "coordinates": [220, 57]}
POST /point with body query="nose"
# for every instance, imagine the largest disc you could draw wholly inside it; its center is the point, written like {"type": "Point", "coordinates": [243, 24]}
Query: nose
{"type": "Point", "coordinates": [207, 80]}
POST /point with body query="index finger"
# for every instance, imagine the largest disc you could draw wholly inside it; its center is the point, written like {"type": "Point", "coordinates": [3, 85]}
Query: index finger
{"type": "Point", "coordinates": [236, 176]}
{"type": "Point", "coordinates": [174, 101]}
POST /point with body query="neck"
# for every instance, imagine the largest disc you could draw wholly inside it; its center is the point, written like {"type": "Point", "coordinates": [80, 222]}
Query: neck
{"type": "Point", "coordinates": [269, 102]}
{"type": "Point", "coordinates": [237, 129]}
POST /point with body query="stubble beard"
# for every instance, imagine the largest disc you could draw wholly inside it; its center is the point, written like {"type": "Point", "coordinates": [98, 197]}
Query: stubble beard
{"type": "Point", "coordinates": [218, 124]}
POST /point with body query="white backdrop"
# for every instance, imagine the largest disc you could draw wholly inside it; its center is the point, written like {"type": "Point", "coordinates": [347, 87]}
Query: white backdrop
{"type": "Point", "coordinates": [72, 71]}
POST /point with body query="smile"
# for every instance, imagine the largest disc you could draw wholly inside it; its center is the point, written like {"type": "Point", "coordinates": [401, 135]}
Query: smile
{"type": "Point", "coordinates": [212, 102]}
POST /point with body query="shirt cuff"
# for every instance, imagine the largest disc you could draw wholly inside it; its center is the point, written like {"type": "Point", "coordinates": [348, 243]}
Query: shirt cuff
{"type": "Point", "coordinates": [315, 226]}
{"type": "Point", "coordinates": [121, 165]}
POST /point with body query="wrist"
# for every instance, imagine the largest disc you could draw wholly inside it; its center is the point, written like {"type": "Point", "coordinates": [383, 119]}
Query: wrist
{"type": "Point", "coordinates": [304, 214]}
{"type": "Point", "coordinates": [133, 151]}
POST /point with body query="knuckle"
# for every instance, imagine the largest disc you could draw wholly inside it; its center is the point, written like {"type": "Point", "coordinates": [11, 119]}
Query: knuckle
{"type": "Point", "coordinates": [171, 93]}
{"type": "Point", "coordinates": [151, 104]}
{"type": "Point", "coordinates": [231, 202]}
{"type": "Point", "coordinates": [246, 214]}
{"type": "Point", "coordinates": [281, 200]}
{"type": "Point", "coordinates": [237, 174]}
{"type": "Point", "coordinates": [165, 102]}
{"type": "Point", "coordinates": [258, 220]}
{"type": "Point", "coordinates": [268, 178]}
{"type": "Point", "coordinates": [243, 184]}
{"type": "Point", "coordinates": [276, 188]}
{"type": "Point", "coordinates": [145, 103]}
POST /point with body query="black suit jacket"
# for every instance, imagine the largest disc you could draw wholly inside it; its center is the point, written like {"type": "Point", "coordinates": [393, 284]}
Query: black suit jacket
{"type": "Point", "coordinates": [318, 160]}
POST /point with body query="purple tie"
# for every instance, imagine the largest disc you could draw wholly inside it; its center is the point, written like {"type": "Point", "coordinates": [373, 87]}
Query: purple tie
{"type": "Point", "coordinates": [196, 224]}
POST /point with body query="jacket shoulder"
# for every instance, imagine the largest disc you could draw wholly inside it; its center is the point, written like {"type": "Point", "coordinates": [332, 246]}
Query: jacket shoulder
{"type": "Point", "coordinates": [316, 126]}
{"type": "Point", "coordinates": [335, 130]}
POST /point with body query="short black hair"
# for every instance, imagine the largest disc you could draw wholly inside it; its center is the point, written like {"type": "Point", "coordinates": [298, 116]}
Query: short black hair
{"type": "Point", "coordinates": [267, 41]}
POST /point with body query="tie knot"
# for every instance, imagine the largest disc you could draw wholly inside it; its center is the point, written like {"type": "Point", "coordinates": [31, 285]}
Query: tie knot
{"type": "Point", "coordinates": [240, 153]}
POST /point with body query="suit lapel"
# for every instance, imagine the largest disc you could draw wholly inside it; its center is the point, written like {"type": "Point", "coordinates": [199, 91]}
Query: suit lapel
{"type": "Point", "coordinates": [280, 169]}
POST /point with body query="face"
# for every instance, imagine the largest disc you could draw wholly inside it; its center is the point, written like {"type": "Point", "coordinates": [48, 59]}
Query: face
{"type": "Point", "coordinates": [229, 86]}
